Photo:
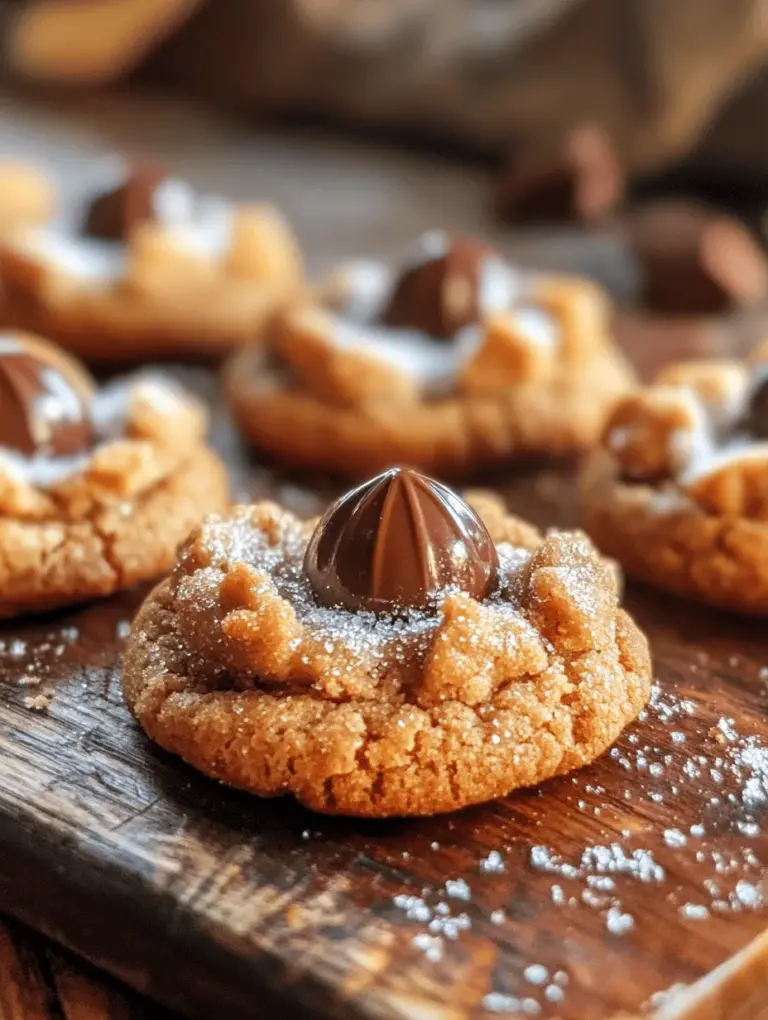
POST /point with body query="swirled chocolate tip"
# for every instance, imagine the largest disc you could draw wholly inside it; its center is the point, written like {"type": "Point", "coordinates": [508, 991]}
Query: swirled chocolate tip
{"type": "Point", "coordinates": [395, 542]}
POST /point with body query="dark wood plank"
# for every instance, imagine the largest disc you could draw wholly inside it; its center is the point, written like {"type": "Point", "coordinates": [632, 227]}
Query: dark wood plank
{"type": "Point", "coordinates": [579, 899]}
{"type": "Point", "coordinates": [24, 992]}
{"type": "Point", "coordinates": [41, 982]}
{"type": "Point", "coordinates": [85, 994]}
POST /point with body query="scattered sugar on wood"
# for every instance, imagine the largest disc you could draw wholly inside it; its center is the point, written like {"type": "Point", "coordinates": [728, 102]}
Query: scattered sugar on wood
{"type": "Point", "coordinates": [597, 875]}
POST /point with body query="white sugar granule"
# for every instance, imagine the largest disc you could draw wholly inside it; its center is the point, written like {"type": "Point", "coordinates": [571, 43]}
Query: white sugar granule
{"type": "Point", "coordinates": [694, 911]}
{"type": "Point", "coordinates": [458, 889]}
{"type": "Point", "coordinates": [553, 993]}
{"type": "Point", "coordinates": [493, 864]}
{"type": "Point", "coordinates": [748, 895]}
{"type": "Point", "coordinates": [674, 838]}
{"type": "Point", "coordinates": [536, 974]}
{"type": "Point", "coordinates": [431, 947]}
{"type": "Point", "coordinates": [414, 906]}
{"type": "Point", "coordinates": [496, 1002]}
{"type": "Point", "coordinates": [617, 922]}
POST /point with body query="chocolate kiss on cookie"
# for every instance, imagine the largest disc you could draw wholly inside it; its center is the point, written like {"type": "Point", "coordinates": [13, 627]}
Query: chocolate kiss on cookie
{"type": "Point", "coordinates": [114, 215]}
{"type": "Point", "coordinates": [757, 415]}
{"type": "Point", "coordinates": [441, 295]}
{"type": "Point", "coordinates": [395, 542]}
{"type": "Point", "coordinates": [45, 399]}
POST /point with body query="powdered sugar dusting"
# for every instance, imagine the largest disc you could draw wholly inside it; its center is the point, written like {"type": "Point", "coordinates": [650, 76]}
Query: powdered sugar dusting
{"type": "Point", "coordinates": [88, 260]}
{"type": "Point", "coordinates": [366, 287]}
{"type": "Point", "coordinates": [433, 364]}
{"type": "Point", "coordinates": [697, 853]}
{"type": "Point", "coordinates": [402, 637]}
{"type": "Point", "coordinates": [109, 415]}
{"type": "Point", "coordinates": [199, 225]}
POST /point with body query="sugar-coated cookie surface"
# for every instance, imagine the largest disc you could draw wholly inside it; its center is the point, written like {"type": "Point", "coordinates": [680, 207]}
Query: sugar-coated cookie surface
{"type": "Point", "coordinates": [98, 486]}
{"type": "Point", "coordinates": [678, 490]}
{"type": "Point", "coordinates": [151, 270]}
{"type": "Point", "coordinates": [258, 662]}
{"type": "Point", "coordinates": [456, 360]}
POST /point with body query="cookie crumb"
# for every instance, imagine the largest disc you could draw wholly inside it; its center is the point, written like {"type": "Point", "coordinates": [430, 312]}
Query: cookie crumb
{"type": "Point", "coordinates": [38, 702]}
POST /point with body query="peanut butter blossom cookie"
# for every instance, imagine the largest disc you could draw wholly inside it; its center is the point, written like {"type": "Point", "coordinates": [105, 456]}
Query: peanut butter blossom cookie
{"type": "Point", "coordinates": [453, 361]}
{"type": "Point", "coordinates": [407, 654]}
{"type": "Point", "coordinates": [26, 195]}
{"type": "Point", "coordinates": [97, 486]}
{"type": "Point", "coordinates": [678, 489]}
{"type": "Point", "coordinates": [151, 270]}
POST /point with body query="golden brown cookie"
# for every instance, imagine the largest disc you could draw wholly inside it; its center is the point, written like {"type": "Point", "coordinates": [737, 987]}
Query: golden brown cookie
{"type": "Point", "coordinates": [26, 195]}
{"type": "Point", "coordinates": [678, 490]}
{"type": "Point", "coordinates": [398, 657]}
{"type": "Point", "coordinates": [150, 270]}
{"type": "Point", "coordinates": [458, 361]}
{"type": "Point", "coordinates": [98, 487]}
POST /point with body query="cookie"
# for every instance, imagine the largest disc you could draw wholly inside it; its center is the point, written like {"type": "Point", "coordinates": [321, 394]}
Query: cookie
{"type": "Point", "coordinates": [98, 486]}
{"type": "Point", "coordinates": [678, 489]}
{"type": "Point", "coordinates": [26, 196]}
{"type": "Point", "coordinates": [458, 360]}
{"type": "Point", "coordinates": [150, 270]}
{"type": "Point", "coordinates": [404, 655]}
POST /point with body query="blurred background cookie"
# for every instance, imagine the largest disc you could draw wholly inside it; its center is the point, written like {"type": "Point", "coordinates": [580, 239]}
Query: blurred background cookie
{"type": "Point", "coordinates": [678, 490]}
{"type": "Point", "coordinates": [98, 485]}
{"type": "Point", "coordinates": [451, 361]}
{"type": "Point", "coordinates": [149, 269]}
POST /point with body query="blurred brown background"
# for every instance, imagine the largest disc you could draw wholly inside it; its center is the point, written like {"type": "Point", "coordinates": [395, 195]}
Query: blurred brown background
{"type": "Point", "coordinates": [676, 83]}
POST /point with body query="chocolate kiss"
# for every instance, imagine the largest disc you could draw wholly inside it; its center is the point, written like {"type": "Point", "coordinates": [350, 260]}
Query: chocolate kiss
{"type": "Point", "coordinates": [441, 295]}
{"type": "Point", "coordinates": [114, 215]}
{"type": "Point", "coordinates": [395, 542]}
{"type": "Point", "coordinates": [45, 400]}
{"type": "Point", "coordinates": [757, 415]}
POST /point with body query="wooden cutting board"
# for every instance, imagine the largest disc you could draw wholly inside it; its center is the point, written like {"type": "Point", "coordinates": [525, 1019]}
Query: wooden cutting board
{"type": "Point", "coordinates": [582, 899]}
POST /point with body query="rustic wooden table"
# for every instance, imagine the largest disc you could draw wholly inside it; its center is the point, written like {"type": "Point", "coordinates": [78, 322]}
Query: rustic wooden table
{"type": "Point", "coordinates": [40, 981]}
{"type": "Point", "coordinates": [580, 900]}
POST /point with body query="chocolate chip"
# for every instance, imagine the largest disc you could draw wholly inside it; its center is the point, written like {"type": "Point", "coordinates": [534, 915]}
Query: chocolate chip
{"type": "Point", "coordinates": [395, 542]}
{"type": "Point", "coordinates": [580, 179]}
{"type": "Point", "coordinates": [114, 215]}
{"type": "Point", "coordinates": [45, 400]}
{"type": "Point", "coordinates": [695, 260]}
{"type": "Point", "coordinates": [440, 296]}
{"type": "Point", "coordinates": [757, 415]}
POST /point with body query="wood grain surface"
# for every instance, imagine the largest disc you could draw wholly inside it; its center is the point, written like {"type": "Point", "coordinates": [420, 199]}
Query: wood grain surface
{"type": "Point", "coordinates": [586, 898]}
{"type": "Point", "coordinates": [41, 982]}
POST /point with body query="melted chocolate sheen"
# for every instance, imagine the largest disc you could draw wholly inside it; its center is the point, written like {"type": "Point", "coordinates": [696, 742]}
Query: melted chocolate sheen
{"type": "Point", "coordinates": [395, 542]}
{"type": "Point", "coordinates": [440, 296]}
{"type": "Point", "coordinates": [43, 411]}
{"type": "Point", "coordinates": [114, 215]}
